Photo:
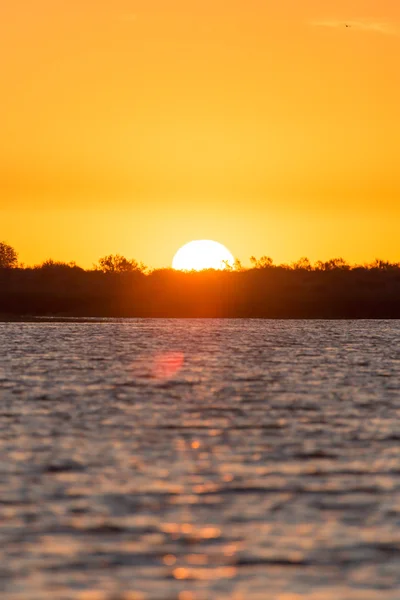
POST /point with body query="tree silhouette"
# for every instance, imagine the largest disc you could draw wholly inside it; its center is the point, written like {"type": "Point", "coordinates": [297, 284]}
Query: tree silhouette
{"type": "Point", "coordinates": [265, 262]}
{"type": "Point", "coordinates": [332, 265]}
{"type": "Point", "coordinates": [8, 256]}
{"type": "Point", "coordinates": [115, 263]}
{"type": "Point", "coordinates": [303, 264]}
{"type": "Point", "coordinates": [53, 266]}
{"type": "Point", "coordinates": [235, 266]}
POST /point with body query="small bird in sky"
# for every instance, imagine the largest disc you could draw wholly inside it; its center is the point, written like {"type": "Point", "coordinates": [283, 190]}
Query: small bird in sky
{"type": "Point", "coordinates": [347, 25]}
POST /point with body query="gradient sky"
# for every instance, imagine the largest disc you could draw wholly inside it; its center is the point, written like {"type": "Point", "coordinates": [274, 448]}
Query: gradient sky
{"type": "Point", "coordinates": [135, 126]}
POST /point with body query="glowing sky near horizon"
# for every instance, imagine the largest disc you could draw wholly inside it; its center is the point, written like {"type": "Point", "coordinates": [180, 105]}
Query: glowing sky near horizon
{"type": "Point", "coordinates": [133, 126]}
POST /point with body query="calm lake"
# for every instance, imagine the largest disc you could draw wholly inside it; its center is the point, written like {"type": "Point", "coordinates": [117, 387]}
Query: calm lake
{"type": "Point", "coordinates": [200, 460]}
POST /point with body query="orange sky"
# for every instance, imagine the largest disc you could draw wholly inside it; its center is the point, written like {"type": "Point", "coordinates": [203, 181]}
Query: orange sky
{"type": "Point", "coordinates": [134, 126]}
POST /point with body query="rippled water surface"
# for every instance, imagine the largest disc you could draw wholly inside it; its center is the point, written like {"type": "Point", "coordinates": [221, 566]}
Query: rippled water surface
{"type": "Point", "coordinates": [200, 460]}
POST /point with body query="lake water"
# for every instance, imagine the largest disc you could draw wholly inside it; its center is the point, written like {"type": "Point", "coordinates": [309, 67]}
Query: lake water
{"type": "Point", "coordinates": [200, 460]}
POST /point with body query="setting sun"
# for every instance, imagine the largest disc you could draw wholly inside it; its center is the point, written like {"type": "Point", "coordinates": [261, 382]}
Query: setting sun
{"type": "Point", "coordinates": [202, 254]}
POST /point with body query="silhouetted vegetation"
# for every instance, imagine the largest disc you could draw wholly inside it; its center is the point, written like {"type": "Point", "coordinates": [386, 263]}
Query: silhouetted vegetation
{"type": "Point", "coordinates": [8, 256]}
{"type": "Point", "coordinates": [115, 263]}
{"type": "Point", "coordinates": [119, 287]}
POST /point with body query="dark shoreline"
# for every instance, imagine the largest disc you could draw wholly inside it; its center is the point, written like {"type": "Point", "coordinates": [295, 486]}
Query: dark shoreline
{"type": "Point", "coordinates": [72, 319]}
{"type": "Point", "coordinates": [65, 293]}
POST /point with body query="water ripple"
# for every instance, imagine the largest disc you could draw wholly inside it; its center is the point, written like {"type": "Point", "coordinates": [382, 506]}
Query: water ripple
{"type": "Point", "coordinates": [200, 460]}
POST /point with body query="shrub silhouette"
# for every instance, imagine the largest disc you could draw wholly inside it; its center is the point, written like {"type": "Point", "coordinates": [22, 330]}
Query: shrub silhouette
{"type": "Point", "coordinates": [265, 262]}
{"type": "Point", "coordinates": [53, 266]}
{"type": "Point", "coordinates": [115, 263]}
{"type": "Point", "coordinates": [8, 256]}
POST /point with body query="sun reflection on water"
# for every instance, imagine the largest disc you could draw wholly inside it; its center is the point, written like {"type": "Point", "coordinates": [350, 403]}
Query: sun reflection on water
{"type": "Point", "coordinates": [167, 364]}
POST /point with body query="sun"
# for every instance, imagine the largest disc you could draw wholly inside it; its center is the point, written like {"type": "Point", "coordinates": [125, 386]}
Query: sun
{"type": "Point", "coordinates": [202, 254]}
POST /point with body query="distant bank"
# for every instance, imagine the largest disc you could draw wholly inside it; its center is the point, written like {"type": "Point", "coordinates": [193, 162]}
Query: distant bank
{"type": "Point", "coordinates": [265, 291]}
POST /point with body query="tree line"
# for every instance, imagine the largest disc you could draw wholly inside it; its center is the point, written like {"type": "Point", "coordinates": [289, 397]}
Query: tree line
{"type": "Point", "coordinates": [119, 287]}
{"type": "Point", "coordinates": [115, 263]}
